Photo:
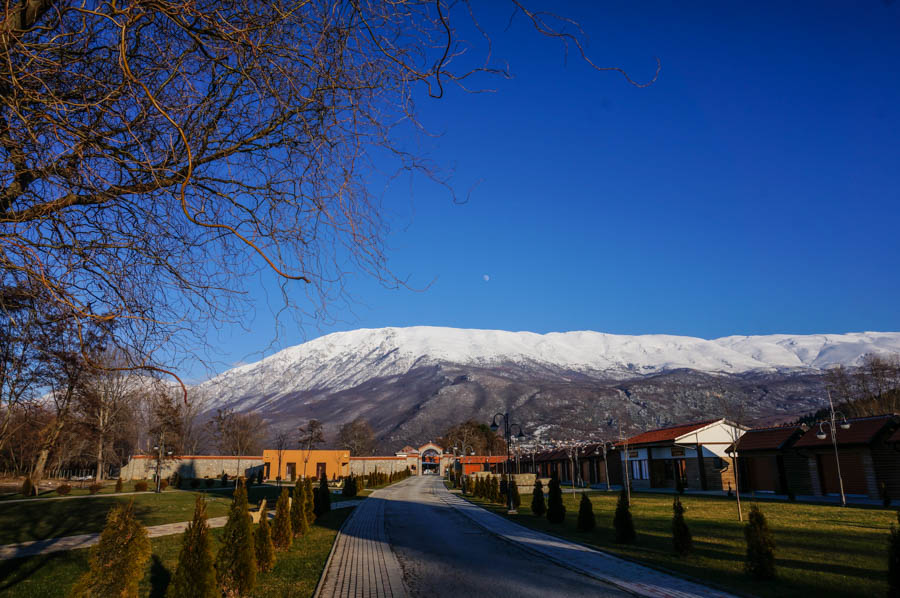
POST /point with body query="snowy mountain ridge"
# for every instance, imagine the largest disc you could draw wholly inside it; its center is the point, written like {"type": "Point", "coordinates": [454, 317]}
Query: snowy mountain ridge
{"type": "Point", "coordinates": [344, 360]}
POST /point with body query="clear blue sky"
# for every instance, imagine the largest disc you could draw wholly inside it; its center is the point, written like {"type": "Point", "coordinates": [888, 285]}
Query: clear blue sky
{"type": "Point", "coordinates": [752, 189]}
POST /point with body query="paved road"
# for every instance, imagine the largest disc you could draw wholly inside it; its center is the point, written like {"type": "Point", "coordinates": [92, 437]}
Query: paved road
{"type": "Point", "coordinates": [442, 553]}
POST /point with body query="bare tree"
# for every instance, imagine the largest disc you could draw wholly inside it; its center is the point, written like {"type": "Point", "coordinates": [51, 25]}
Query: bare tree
{"type": "Point", "coordinates": [149, 148]}
{"type": "Point", "coordinates": [357, 436]}
{"type": "Point", "coordinates": [238, 434]}
{"type": "Point", "coordinates": [311, 436]}
{"type": "Point", "coordinates": [476, 435]}
{"type": "Point", "coordinates": [282, 442]}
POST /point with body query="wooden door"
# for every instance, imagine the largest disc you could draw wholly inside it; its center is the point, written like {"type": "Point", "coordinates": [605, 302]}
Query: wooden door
{"type": "Point", "coordinates": [852, 472]}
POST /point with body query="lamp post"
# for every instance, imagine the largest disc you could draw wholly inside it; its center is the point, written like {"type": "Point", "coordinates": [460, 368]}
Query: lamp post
{"type": "Point", "coordinates": [507, 429]}
{"type": "Point", "coordinates": [845, 425]}
{"type": "Point", "coordinates": [606, 465]}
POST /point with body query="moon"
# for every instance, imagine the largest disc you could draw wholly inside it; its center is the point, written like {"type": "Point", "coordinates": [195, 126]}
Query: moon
{"type": "Point", "coordinates": [486, 278]}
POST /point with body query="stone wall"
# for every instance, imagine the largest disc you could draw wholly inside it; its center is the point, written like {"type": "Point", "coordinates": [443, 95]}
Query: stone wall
{"type": "Point", "coordinates": [367, 465]}
{"type": "Point", "coordinates": [143, 467]}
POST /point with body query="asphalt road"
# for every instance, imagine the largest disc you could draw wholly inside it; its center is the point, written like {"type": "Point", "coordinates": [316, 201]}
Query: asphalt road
{"type": "Point", "coordinates": [443, 554]}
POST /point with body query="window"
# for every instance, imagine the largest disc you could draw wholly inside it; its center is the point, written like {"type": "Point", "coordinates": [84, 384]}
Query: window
{"type": "Point", "coordinates": [645, 470]}
{"type": "Point", "coordinates": [640, 470]}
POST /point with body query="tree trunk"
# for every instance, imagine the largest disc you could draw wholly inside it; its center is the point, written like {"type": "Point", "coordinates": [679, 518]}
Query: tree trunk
{"type": "Point", "coordinates": [99, 476]}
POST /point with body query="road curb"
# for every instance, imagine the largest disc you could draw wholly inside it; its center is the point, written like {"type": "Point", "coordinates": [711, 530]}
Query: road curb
{"type": "Point", "coordinates": [334, 544]}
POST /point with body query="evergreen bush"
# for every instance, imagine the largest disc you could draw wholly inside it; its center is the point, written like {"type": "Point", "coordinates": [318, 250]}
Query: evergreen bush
{"type": "Point", "coordinates": [885, 495]}
{"type": "Point", "coordinates": [324, 497]}
{"type": "Point", "coordinates": [894, 560]}
{"type": "Point", "coordinates": [209, 482]}
{"type": "Point", "coordinates": [195, 574]}
{"type": "Point", "coordinates": [95, 488]}
{"type": "Point", "coordinates": [556, 510]}
{"type": "Point", "coordinates": [259, 477]}
{"type": "Point", "coordinates": [63, 489]}
{"type": "Point", "coordinates": [176, 480]}
{"type": "Point", "coordinates": [495, 490]}
{"type": "Point", "coordinates": [118, 560]}
{"type": "Point", "coordinates": [265, 546]}
{"type": "Point", "coordinates": [118, 485]}
{"type": "Point", "coordinates": [470, 485]}
{"type": "Point", "coordinates": [309, 504]}
{"type": "Point", "coordinates": [349, 489]}
{"type": "Point", "coordinates": [140, 486]}
{"type": "Point", "coordinates": [622, 522]}
{"type": "Point", "coordinates": [282, 534]}
{"type": "Point", "coordinates": [236, 561]}
{"type": "Point", "coordinates": [515, 499]}
{"type": "Point", "coordinates": [224, 479]}
{"type": "Point", "coordinates": [504, 486]}
{"type": "Point", "coordinates": [682, 541]}
{"type": "Point", "coordinates": [760, 563]}
{"type": "Point", "coordinates": [27, 487]}
{"type": "Point", "coordinates": [586, 519]}
{"type": "Point", "coordinates": [299, 524]}
{"type": "Point", "coordinates": [537, 499]}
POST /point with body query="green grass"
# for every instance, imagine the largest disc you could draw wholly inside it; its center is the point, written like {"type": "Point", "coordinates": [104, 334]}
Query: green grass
{"type": "Point", "coordinates": [109, 487]}
{"type": "Point", "coordinates": [295, 575]}
{"type": "Point", "coordinates": [823, 551]}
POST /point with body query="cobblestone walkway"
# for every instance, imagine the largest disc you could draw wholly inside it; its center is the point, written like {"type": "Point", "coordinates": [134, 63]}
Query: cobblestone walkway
{"type": "Point", "coordinates": [362, 564]}
{"type": "Point", "coordinates": [629, 576]}
{"type": "Point", "coordinates": [36, 547]}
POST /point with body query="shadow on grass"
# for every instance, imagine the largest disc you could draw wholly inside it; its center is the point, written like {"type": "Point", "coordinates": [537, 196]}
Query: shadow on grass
{"type": "Point", "coordinates": [160, 576]}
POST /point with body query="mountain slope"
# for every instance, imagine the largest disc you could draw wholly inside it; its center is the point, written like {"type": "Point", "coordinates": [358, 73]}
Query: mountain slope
{"type": "Point", "coordinates": [412, 383]}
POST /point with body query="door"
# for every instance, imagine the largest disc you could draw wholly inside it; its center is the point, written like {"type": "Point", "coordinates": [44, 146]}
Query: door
{"type": "Point", "coordinates": [321, 470]}
{"type": "Point", "coordinates": [291, 471]}
{"type": "Point", "coordinates": [763, 473]}
{"type": "Point", "coordinates": [852, 472]}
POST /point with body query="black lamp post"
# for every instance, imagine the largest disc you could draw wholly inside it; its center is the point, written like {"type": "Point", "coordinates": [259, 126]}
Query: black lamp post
{"type": "Point", "coordinates": [507, 434]}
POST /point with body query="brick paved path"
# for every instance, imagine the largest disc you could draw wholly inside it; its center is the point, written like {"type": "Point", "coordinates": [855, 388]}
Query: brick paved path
{"type": "Point", "coordinates": [362, 564]}
{"type": "Point", "coordinates": [629, 576]}
{"type": "Point", "coordinates": [35, 547]}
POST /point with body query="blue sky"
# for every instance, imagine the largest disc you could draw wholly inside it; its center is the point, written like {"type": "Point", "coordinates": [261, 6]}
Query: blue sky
{"type": "Point", "coordinates": [752, 189]}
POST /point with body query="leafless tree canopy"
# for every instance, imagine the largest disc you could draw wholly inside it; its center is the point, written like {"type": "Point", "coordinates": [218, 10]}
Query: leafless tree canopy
{"type": "Point", "coordinates": [149, 147]}
{"type": "Point", "coordinates": [357, 436]}
{"type": "Point", "coordinates": [475, 436]}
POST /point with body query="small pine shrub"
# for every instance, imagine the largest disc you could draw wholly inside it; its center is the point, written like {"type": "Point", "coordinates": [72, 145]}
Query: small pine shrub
{"type": "Point", "coordinates": [27, 487]}
{"type": "Point", "coordinates": [885, 494]}
{"type": "Point", "coordinates": [95, 488]}
{"type": "Point", "coordinates": [175, 481]}
{"type": "Point", "coordinates": [495, 491]}
{"type": "Point", "coordinates": [163, 484]}
{"type": "Point", "coordinates": [556, 510]}
{"type": "Point", "coordinates": [195, 574]}
{"type": "Point", "coordinates": [265, 546]}
{"type": "Point", "coordinates": [309, 503]}
{"type": "Point", "coordinates": [63, 489]}
{"type": "Point", "coordinates": [537, 499]}
{"type": "Point", "coordinates": [894, 560]}
{"type": "Point", "coordinates": [323, 504]}
{"type": "Point", "coordinates": [622, 521]}
{"type": "Point", "coordinates": [586, 520]}
{"type": "Point", "coordinates": [259, 477]}
{"type": "Point", "coordinates": [282, 532]}
{"type": "Point", "coordinates": [140, 486]}
{"type": "Point", "coordinates": [349, 489]}
{"type": "Point", "coordinates": [514, 496]}
{"type": "Point", "coordinates": [470, 486]}
{"type": "Point", "coordinates": [236, 561]}
{"type": "Point", "coordinates": [682, 541]}
{"type": "Point", "coordinates": [299, 524]}
{"type": "Point", "coordinates": [209, 482]}
{"type": "Point", "coordinates": [224, 479]}
{"type": "Point", "coordinates": [118, 485]}
{"type": "Point", "coordinates": [760, 563]}
{"type": "Point", "coordinates": [118, 561]}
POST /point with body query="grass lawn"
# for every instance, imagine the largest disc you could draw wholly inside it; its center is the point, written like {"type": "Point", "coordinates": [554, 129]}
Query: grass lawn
{"type": "Point", "coordinates": [296, 572]}
{"type": "Point", "coordinates": [78, 489]}
{"type": "Point", "coordinates": [820, 550]}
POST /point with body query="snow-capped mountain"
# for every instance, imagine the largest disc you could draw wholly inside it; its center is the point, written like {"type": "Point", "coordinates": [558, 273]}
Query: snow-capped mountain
{"type": "Point", "coordinates": [394, 370]}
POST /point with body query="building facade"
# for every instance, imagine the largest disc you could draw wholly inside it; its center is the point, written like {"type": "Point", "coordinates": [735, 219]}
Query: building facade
{"type": "Point", "coordinates": [291, 464]}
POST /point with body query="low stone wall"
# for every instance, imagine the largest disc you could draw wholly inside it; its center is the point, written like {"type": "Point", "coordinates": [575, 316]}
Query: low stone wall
{"type": "Point", "coordinates": [524, 481]}
{"type": "Point", "coordinates": [143, 467]}
{"type": "Point", "coordinates": [367, 465]}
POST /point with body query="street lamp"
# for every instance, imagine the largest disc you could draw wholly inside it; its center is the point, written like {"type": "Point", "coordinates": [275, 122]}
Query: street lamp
{"type": "Point", "coordinates": [844, 425]}
{"type": "Point", "coordinates": [507, 429]}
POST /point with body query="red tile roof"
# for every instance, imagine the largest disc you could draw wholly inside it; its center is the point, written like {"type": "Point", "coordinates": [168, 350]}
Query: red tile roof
{"type": "Point", "coordinates": [862, 430]}
{"type": "Point", "coordinates": [771, 439]}
{"type": "Point", "coordinates": [666, 434]}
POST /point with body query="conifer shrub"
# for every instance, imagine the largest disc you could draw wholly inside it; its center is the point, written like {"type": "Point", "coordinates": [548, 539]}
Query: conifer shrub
{"type": "Point", "coordinates": [140, 486]}
{"type": "Point", "coordinates": [265, 546]}
{"type": "Point", "coordinates": [209, 482]}
{"type": "Point", "coordinates": [95, 488]}
{"type": "Point", "coordinates": [259, 477]}
{"type": "Point", "coordinates": [282, 532]}
{"type": "Point", "coordinates": [349, 489]}
{"type": "Point", "coordinates": [27, 487]}
{"type": "Point", "coordinates": [118, 560]}
{"type": "Point", "coordinates": [538, 507]}
{"type": "Point", "coordinates": [309, 503]}
{"type": "Point", "coordinates": [760, 563]}
{"type": "Point", "coordinates": [495, 490]}
{"type": "Point", "coordinates": [236, 561]}
{"type": "Point", "coordinates": [586, 520]}
{"type": "Point", "coordinates": [63, 489]}
{"type": "Point", "coordinates": [224, 479]}
{"type": "Point", "coordinates": [299, 524]}
{"type": "Point", "coordinates": [515, 499]}
{"type": "Point", "coordinates": [682, 541]}
{"type": "Point", "coordinates": [470, 485]}
{"type": "Point", "coordinates": [885, 494]}
{"type": "Point", "coordinates": [556, 510]}
{"type": "Point", "coordinates": [622, 521]}
{"type": "Point", "coordinates": [118, 485]}
{"type": "Point", "coordinates": [504, 486]}
{"type": "Point", "coordinates": [324, 497]}
{"type": "Point", "coordinates": [195, 574]}
{"type": "Point", "coordinates": [894, 560]}
{"type": "Point", "coordinates": [175, 481]}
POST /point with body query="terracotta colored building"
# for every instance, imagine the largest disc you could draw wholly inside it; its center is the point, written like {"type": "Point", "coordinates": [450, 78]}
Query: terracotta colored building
{"type": "Point", "coordinates": [475, 463]}
{"type": "Point", "coordinates": [291, 464]}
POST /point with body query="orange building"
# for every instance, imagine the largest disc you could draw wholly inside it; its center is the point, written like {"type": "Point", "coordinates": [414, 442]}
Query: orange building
{"type": "Point", "coordinates": [291, 464]}
{"type": "Point", "coordinates": [477, 463]}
